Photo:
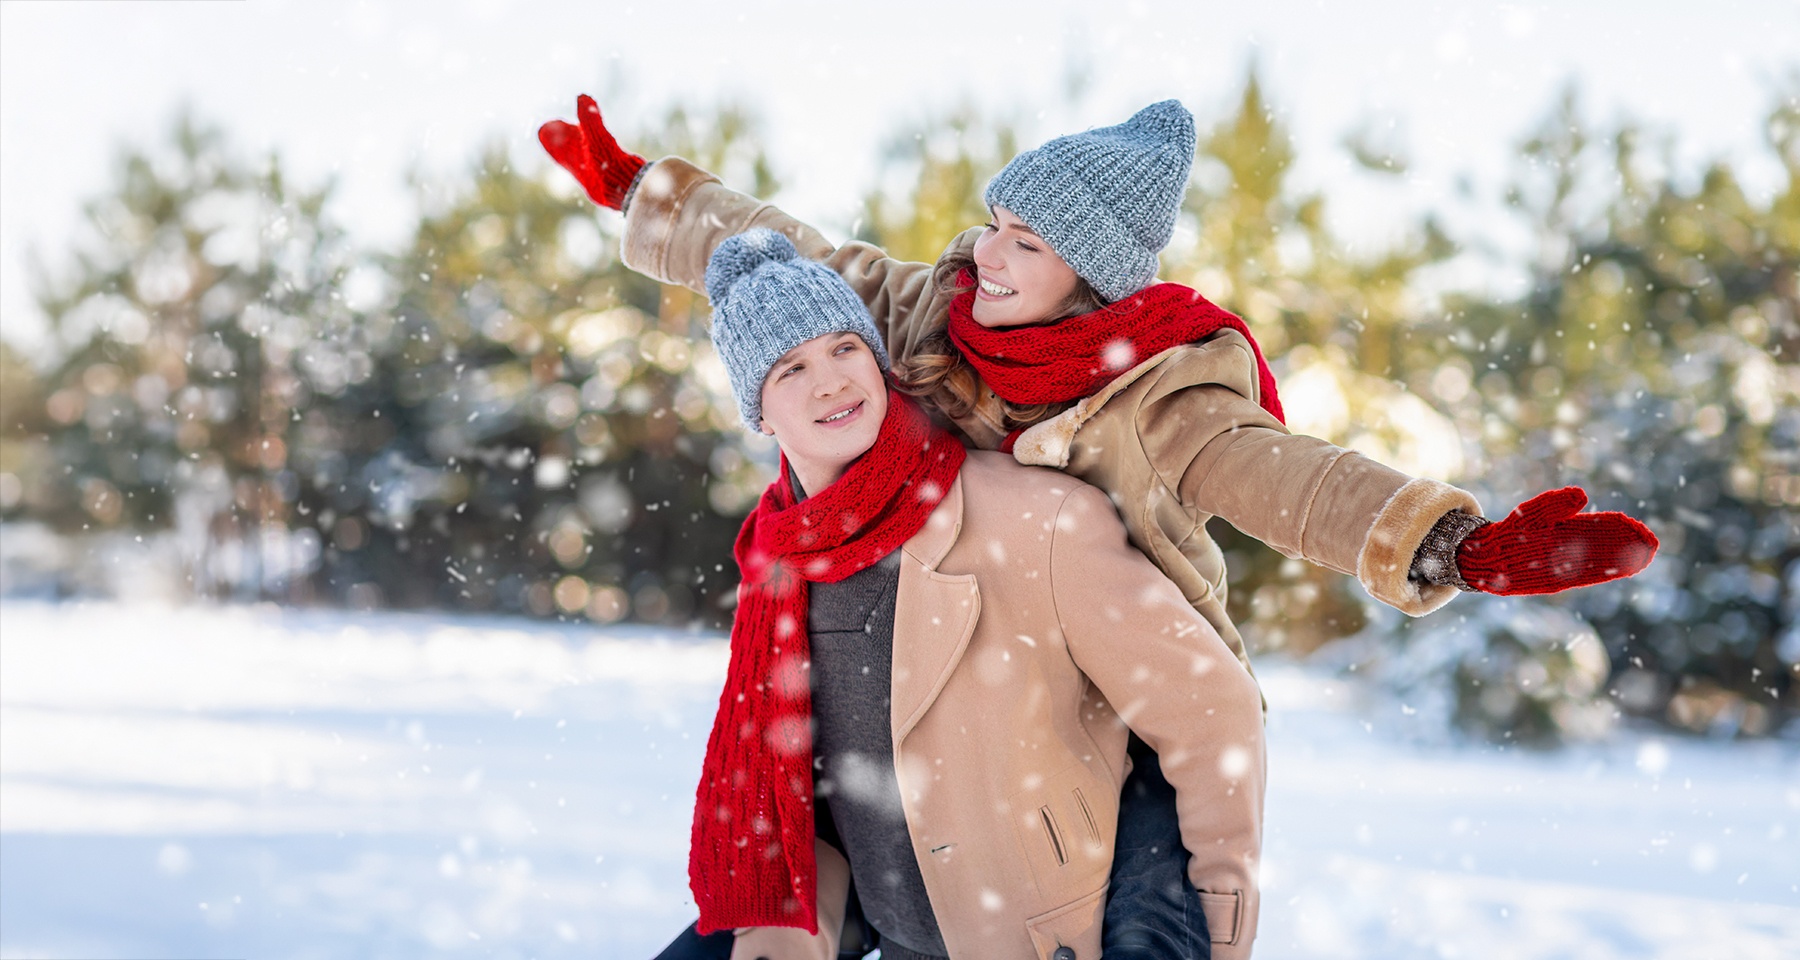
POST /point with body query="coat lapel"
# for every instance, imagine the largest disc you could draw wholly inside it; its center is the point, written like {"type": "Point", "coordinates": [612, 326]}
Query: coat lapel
{"type": "Point", "coordinates": [934, 615]}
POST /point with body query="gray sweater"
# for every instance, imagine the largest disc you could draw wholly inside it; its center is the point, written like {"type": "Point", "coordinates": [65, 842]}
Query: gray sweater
{"type": "Point", "coordinates": [852, 628]}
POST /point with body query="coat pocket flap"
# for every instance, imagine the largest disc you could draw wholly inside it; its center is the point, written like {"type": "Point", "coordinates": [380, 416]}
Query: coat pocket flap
{"type": "Point", "coordinates": [1222, 913]}
{"type": "Point", "coordinates": [1075, 925]}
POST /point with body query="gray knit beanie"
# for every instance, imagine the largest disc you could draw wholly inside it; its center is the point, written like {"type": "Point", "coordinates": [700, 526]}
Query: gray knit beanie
{"type": "Point", "coordinates": [767, 300]}
{"type": "Point", "coordinates": [1105, 199]}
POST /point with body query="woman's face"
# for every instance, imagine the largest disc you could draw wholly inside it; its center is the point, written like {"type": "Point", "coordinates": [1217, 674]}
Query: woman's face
{"type": "Point", "coordinates": [1019, 278]}
{"type": "Point", "coordinates": [824, 401]}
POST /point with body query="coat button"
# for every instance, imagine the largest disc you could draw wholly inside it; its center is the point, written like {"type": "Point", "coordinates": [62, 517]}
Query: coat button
{"type": "Point", "coordinates": [1063, 953]}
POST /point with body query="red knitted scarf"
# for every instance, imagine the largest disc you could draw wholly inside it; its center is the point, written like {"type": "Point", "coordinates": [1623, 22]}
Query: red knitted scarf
{"type": "Point", "coordinates": [751, 859]}
{"type": "Point", "coordinates": [1072, 358]}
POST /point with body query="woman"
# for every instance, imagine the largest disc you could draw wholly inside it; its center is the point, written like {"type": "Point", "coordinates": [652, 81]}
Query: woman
{"type": "Point", "coordinates": [1044, 333]}
{"type": "Point", "coordinates": [978, 637]}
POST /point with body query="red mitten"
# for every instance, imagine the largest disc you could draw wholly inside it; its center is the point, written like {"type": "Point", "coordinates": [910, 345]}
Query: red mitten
{"type": "Point", "coordinates": [1547, 546]}
{"type": "Point", "coordinates": [589, 152]}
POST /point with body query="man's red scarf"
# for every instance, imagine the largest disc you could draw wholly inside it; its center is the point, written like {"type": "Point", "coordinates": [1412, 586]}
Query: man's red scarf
{"type": "Point", "coordinates": [751, 859]}
{"type": "Point", "coordinates": [1074, 357]}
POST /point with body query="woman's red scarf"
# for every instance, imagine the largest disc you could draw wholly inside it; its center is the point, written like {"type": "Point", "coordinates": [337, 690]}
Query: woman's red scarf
{"type": "Point", "coordinates": [1074, 357]}
{"type": "Point", "coordinates": [751, 859]}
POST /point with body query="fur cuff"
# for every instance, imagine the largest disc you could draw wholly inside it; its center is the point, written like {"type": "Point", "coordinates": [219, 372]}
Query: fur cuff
{"type": "Point", "coordinates": [652, 215]}
{"type": "Point", "coordinates": [1047, 444]}
{"type": "Point", "coordinates": [1399, 530]}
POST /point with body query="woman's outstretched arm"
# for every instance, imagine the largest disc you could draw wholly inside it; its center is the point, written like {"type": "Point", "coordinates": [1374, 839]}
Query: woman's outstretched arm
{"type": "Point", "coordinates": [676, 214]}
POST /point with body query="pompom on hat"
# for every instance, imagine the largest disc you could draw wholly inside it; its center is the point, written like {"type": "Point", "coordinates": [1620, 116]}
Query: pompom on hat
{"type": "Point", "coordinates": [767, 300]}
{"type": "Point", "coordinates": [1105, 199]}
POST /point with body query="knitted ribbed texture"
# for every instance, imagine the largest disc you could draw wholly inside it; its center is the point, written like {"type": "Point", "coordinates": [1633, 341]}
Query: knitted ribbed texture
{"type": "Point", "coordinates": [767, 300]}
{"type": "Point", "coordinates": [1076, 356]}
{"type": "Point", "coordinates": [603, 168]}
{"type": "Point", "coordinates": [1547, 545]}
{"type": "Point", "coordinates": [750, 863]}
{"type": "Point", "coordinates": [1105, 199]}
{"type": "Point", "coordinates": [1435, 560]}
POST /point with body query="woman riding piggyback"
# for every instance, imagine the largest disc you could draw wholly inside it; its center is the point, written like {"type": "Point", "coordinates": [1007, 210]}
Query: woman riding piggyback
{"type": "Point", "coordinates": [1045, 333]}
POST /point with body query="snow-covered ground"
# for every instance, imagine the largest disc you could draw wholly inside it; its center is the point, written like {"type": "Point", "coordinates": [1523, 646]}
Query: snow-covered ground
{"type": "Point", "coordinates": [270, 783]}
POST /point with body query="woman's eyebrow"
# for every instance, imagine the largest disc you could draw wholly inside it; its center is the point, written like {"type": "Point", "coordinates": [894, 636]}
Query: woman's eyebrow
{"type": "Point", "coordinates": [1022, 228]}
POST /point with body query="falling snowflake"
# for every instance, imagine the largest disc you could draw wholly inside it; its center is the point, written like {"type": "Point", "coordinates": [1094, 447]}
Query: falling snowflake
{"type": "Point", "coordinates": [1118, 355]}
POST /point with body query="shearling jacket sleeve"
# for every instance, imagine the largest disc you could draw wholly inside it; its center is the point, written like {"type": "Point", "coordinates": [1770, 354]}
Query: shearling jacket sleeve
{"type": "Point", "coordinates": [680, 213]}
{"type": "Point", "coordinates": [1182, 438]}
{"type": "Point", "coordinates": [1171, 678]}
{"type": "Point", "coordinates": [1303, 496]}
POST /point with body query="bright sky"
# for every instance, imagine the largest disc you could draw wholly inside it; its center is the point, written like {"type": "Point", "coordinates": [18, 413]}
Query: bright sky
{"type": "Point", "coordinates": [365, 91]}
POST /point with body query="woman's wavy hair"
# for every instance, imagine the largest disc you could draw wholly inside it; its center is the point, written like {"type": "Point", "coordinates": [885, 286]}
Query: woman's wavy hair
{"type": "Point", "coordinates": [939, 373]}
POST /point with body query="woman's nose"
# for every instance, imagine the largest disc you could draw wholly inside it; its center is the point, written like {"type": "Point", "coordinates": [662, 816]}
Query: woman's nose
{"type": "Point", "coordinates": [984, 253]}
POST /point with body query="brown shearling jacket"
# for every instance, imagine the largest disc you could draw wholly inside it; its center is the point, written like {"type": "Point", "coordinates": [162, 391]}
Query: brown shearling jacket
{"type": "Point", "coordinates": [1028, 635]}
{"type": "Point", "coordinates": [1176, 440]}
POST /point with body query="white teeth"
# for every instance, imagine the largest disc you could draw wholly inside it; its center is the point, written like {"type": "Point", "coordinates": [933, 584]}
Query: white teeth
{"type": "Point", "coordinates": [995, 289]}
{"type": "Point", "coordinates": [841, 414]}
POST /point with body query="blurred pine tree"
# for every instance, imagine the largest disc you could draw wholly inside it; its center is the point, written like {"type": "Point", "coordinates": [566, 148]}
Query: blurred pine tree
{"type": "Point", "coordinates": [562, 441]}
{"type": "Point", "coordinates": [176, 390]}
{"type": "Point", "coordinates": [1655, 361]}
{"type": "Point", "coordinates": [942, 164]}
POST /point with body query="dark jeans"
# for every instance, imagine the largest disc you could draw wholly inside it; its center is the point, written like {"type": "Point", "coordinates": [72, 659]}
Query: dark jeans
{"type": "Point", "coordinates": [1152, 911]}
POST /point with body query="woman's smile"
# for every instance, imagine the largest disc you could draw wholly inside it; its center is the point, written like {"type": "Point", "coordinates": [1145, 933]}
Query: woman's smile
{"type": "Point", "coordinates": [989, 290]}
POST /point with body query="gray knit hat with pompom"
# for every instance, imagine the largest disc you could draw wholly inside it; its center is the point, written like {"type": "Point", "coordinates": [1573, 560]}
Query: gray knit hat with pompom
{"type": "Point", "coordinates": [1105, 199]}
{"type": "Point", "coordinates": [767, 300]}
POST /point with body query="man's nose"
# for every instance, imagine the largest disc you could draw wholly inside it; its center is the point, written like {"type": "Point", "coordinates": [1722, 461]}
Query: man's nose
{"type": "Point", "coordinates": [829, 381]}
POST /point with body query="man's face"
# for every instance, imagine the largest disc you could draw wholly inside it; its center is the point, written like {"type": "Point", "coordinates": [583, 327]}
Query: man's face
{"type": "Point", "coordinates": [824, 402]}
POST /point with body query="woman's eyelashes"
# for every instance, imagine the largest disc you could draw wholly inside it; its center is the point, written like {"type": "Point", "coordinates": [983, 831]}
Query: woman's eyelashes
{"type": "Point", "coordinates": [992, 227]}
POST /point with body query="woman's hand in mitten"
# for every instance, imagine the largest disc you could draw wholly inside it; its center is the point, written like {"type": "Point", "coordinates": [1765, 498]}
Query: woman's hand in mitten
{"type": "Point", "coordinates": [1547, 546]}
{"type": "Point", "coordinates": [587, 150]}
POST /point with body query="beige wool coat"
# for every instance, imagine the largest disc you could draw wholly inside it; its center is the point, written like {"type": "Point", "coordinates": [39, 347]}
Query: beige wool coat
{"type": "Point", "coordinates": [1176, 440]}
{"type": "Point", "coordinates": [1028, 635]}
